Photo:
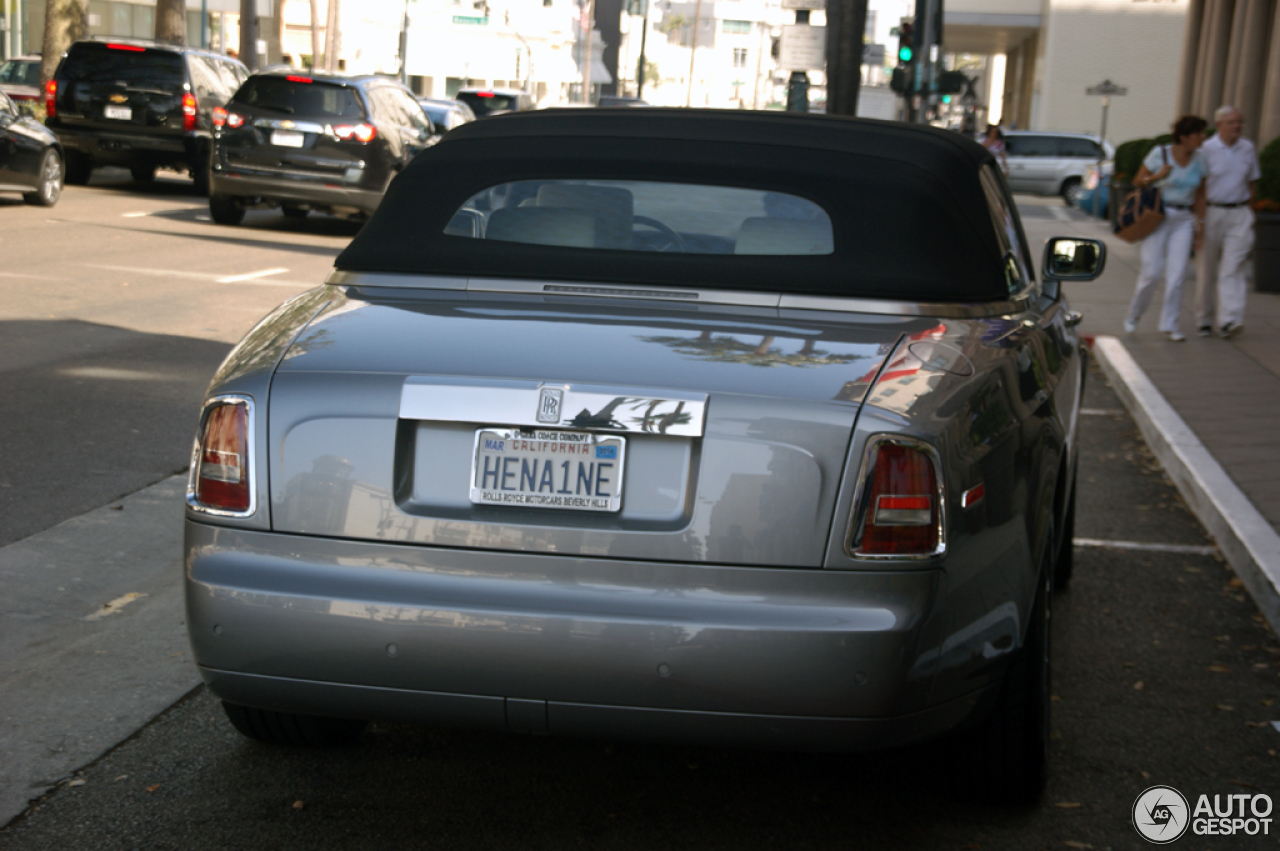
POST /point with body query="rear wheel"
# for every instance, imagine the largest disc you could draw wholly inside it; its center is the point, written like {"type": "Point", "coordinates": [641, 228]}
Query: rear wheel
{"type": "Point", "coordinates": [285, 728]}
{"type": "Point", "coordinates": [143, 173]}
{"type": "Point", "coordinates": [1072, 189]}
{"type": "Point", "coordinates": [226, 210]}
{"type": "Point", "coordinates": [50, 186]}
{"type": "Point", "coordinates": [1006, 761]}
{"type": "Point", "coordinates": [79, 169]}
{"type": "Point", "coordinates": [294, 212]}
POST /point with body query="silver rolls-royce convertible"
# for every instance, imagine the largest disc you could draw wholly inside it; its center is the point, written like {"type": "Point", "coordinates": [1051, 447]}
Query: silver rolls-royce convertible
{"type": "Point", "coordinates": [728, 427]}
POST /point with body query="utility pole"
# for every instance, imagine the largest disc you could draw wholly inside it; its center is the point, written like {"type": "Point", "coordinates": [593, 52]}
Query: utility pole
{"type": "Point", "coordinates": [587, 59]}
{"type": "Point", "coordinates": [315, 36]}
{"type": "Point", "coordinates": [404, 45]}
{"type": "Point", "coordinates": [846, 23]}
{"type": "Point", "coordinates": [644, 33]}
{"type": "Point", "coordinates": [249, 33]}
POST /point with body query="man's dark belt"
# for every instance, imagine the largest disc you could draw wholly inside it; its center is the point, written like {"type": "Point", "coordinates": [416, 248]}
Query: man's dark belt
{"type": "Point", "coordinates": [1216, 204]}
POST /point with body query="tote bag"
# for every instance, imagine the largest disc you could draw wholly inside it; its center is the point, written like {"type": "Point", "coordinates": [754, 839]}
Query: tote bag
{"type": "Point", "coordinates": [1141, 212]}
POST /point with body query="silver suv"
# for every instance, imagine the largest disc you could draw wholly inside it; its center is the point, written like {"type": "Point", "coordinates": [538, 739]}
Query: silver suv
{"type": "Point", "coordinates": [1045, 163]}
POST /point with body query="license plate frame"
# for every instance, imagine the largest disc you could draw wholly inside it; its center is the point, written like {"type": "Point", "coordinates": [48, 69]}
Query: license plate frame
{"type": "Point", "coordinates": [288, 138]}
{"type": "Point", "coordinates": [117, 113]}
{"type": "Point", "coordinates": [583, 472]}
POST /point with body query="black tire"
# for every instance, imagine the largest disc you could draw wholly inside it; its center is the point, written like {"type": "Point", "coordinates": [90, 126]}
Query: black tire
{"type": "Point", "coordinates": [201, 170]}
{"type": "Point", "coordinates": [143, 173]}
{"type": "Point", "coordinates": [284, 728]}
{"type": "Point", "coordinates": [226, 210]}
{"type": "Point", "coordinates": [1006, 760]}
{"type": "Point", "coordinates": [51, 176]}
{"type": "Point", "coordinates": [1071, 189]}
{"type": "Point", "coordinates": [294, 212]}
{"type": "Point", "coordinates": [1065, 563]}
{"type": "Point", "coordinates": [79, 169]}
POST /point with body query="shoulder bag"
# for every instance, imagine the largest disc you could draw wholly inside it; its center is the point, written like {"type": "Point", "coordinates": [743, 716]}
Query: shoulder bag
{"type": "Point", "coordinates": [1142, 210]}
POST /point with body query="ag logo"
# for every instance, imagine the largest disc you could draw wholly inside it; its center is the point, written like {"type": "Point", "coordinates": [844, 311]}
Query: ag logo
{"type": "Point", "coordinates": [1161, 815]}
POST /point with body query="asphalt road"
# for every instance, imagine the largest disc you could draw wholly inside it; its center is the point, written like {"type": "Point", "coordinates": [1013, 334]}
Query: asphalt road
{"type": "Point", "coordinates": [1164, 672]}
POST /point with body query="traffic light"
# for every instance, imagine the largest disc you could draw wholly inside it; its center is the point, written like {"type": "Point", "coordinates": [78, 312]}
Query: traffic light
{"type": "Point", "coordinates": [905, 49]}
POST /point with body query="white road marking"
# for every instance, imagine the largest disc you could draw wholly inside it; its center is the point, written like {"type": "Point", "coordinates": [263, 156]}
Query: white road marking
{"type": "Point", "coordinates": [1181, 549]}
{"type": "Point", "coordinates": [115, 605]}
{"type": "Point", "coordinates": [134, 215]}
{"type": "Point", "coordinates": [252, 279]}
{"type": "Point", "coordinates": [203, 219]}
{"type": "Point", "coordinates": [32, 277]}
{"type": "Point", "coordinates": [1059, 213]}
{"type": "Point", "coordinates": [231, 279]}
{"type": "Point", "coordinates": [1101, 412]}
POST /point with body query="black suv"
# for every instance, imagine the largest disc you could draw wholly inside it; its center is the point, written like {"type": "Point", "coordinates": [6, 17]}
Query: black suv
{"type": "Point", "coordinates": [138, 104]}
{"type": "Point", "coordinates": [306, 142]}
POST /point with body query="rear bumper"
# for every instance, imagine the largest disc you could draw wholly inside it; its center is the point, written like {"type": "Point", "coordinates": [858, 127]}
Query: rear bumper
{"type": "Point", "coordinates": [129, 148]}
{"type": "Point", "coordinates": [569, 646]}
{"type": "Point", "coordinates": [303, 191]}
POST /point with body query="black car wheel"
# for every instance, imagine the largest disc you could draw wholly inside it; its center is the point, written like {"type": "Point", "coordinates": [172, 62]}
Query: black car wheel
{"type": "Point", "coordinates": [1006, 760]}
{"type": "Point", "coordinates": [143, 173]}
{"type": "Point", "coordinates": [50, 187]}
{"type": "Point", "coordinates": [79, 169]}
{"type": "Point", "coordinates": [294, 212]}
{"type": "Point", "coordinates": [284, 728]}
{"type": "Point", "coordinates": [1072, 189]}
{"type": "Point", "coordinates": [226, 210]}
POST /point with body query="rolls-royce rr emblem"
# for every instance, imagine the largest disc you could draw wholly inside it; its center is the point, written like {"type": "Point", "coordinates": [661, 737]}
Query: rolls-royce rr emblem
{"type": "Point", "coordinates": [549, 400]}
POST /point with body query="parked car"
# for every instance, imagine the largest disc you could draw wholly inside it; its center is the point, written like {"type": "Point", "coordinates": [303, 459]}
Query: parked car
{"type": "Point", "coordinates": [20, 80]}
{"type": "Point", "coordinates": [30, 156]}
{"type": "Point", "coordinates": [1101, 187]}
{"type": "Point", "coordinates": [618, 100]}
{"type": "Point", "coordinates": [486, 102]}
{"type": "Point", "coordinates": [329, 143]}
{"type": "Point", "coordinates": [138, 104]}
{"type": "Point", "coordinates": [447, 114]}
{"type": "Point", "coordinates": [690, 438]}
{"type": "Point", "coordinates": [1051, 163]}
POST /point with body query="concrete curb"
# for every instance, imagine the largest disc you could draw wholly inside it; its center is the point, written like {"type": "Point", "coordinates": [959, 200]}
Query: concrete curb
{"type": "Point", "coordinates": [1244, 536]}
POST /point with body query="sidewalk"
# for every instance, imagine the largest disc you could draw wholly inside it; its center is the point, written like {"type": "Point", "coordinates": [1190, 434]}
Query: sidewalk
{"type": "Point", "coordinates": [1223, 398]}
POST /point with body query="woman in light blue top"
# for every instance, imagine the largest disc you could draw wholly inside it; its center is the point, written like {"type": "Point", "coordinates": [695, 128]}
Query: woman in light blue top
{"type": "Point", "coordinates": [1179, 170]}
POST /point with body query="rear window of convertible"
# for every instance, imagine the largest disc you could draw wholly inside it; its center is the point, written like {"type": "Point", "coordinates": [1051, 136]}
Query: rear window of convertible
{"type": "Point", "coordinates": [645, 216]}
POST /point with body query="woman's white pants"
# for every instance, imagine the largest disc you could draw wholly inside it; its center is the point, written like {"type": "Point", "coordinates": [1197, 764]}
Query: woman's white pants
{"type": "Point", "coordinates": [1165, 253]}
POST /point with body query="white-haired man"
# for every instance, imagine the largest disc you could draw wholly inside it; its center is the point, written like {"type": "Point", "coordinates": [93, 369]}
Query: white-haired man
{"type": "Point", "coordinates": [1230, 189]}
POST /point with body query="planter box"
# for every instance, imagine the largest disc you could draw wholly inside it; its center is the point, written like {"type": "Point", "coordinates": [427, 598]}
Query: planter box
{"type": "Point", "coordinates": [1266, 253]}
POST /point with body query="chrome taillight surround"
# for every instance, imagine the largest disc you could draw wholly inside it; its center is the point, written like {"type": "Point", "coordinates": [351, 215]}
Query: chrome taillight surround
{"type": "Point", "coordinates": [857, 518]}
{"type": "Point", "coordinates": [193, 476]}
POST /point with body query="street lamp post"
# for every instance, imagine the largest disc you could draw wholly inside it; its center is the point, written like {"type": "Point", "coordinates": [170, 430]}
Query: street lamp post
{"type": "Point", "coordinates": [404, 46]}
{"type": "Point", "coordinates": [1106, 88]}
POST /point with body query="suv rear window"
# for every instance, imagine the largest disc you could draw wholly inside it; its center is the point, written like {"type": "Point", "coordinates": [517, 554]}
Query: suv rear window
{"type": "Point", "coordinates": [297, 97]}
{"type": "Point", "coordinates": [482, 103]}
{"type": "Point", "coordinates": [125, 62]}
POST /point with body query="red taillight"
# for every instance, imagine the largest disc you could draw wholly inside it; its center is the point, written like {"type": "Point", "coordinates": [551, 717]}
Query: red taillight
{"type": "Point", "coordinates": [235, 120]}
{"type": "Point", "coordinates": [484, 94]}
{"type": "Point", "coordinates": [219, 116]}
{"type": "Point", "coordinates": [51, 98]}
{"type": "Point", "coordinates": [220, 477]}
{"type": "Point", "coordinates": [133, 48]}
{"type": "Point", "coordinates": [296, 79]}
{"type": "Point", "coordinates": [188, 111]}
{"type": "Point", "coordinates": [359, 132]}
{"type": "Point", "coordinates": [901, 502]}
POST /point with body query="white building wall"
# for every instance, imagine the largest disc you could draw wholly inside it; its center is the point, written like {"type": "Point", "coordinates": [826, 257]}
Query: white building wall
{"type": "Point", "coordinates": [1134, 43]}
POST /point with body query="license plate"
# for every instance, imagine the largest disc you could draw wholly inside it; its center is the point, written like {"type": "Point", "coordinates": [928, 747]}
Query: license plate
{"type": "Point", "coordinates": [120, 113]}
{"type": "Point", "coordinates": [287, 138]}
{"type": "Point", "coordinates": [535, 468]}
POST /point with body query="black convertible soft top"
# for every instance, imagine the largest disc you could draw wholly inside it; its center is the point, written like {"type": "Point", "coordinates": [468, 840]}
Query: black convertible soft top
{"type": "Point", "coordinates": [909, 216]}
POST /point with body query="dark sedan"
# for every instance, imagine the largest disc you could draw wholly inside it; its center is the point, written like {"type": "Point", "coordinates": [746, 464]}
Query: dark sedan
{"type": "Point", "coordinates": [30, 157]}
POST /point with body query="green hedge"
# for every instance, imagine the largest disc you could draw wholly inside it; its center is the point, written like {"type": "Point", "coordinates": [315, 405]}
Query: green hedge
{"type": "Point", "coordinates": [1129, 156]}
{"type": "Point", "coordinates": [1269, 162]}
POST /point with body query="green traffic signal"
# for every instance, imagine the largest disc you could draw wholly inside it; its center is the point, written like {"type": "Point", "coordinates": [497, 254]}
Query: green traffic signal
{"type": "Point", "coordinates": [904, 53]}
{"type": "Point", "coordinates": [946, 98]}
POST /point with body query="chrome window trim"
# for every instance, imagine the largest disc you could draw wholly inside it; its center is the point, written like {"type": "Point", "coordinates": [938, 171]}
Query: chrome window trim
{"type": "Point", "coordinates": [501, 402]}
{"type": "Point", "coordinates": [857, 518]}
{"type": "Point", "coordinates": [194, 474]}
{"type": "Point", "coordinates": [779, 301]}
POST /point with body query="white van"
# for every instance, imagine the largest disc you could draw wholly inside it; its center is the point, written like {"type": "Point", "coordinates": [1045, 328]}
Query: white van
{"type": "Point", "coordinates": [1044, 163]}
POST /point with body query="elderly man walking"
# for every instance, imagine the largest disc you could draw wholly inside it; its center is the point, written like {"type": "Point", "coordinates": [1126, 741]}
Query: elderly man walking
{"type": "Point", "coordinates": [1228, 227]}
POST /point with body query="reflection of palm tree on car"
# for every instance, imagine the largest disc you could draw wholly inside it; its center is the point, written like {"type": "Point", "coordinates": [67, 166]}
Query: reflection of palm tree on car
{"type": "Point", "coordinates": [728, 349]}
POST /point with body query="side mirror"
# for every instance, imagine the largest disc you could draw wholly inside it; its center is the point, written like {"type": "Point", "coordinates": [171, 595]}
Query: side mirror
{"type": "Point", "coordinates": [1067, 258]}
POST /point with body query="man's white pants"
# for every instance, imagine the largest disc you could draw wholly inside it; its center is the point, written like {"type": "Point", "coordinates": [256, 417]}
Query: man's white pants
{"type": "Point", "coordinates": [1165, 253]}
{"type": "Point", "coordinates": [1228, 239]}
